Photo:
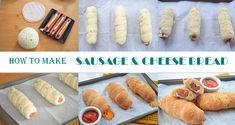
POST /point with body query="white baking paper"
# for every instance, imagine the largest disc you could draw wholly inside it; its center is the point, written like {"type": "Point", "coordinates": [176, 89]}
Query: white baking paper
{"type": "Point", "coordinates": [106, 34]}
{"type": "Point", "coordinates": [140, 107]}
{"type": "Point", "coordinates": [179, 40]}
{"type": "Point", "coordinates": [47, 113]}
{"type": "Point", "coordinates": [223, 117]}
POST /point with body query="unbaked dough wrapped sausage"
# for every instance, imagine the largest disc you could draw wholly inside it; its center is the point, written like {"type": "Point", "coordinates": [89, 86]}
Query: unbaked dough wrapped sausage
{"type": "Point", "coordinates": [49, 92]}
{"type": "Point", "coordinates": [91, 25]}
{"type": "Point", "coordinates": [120, 25]}
{"type": "Point", "coordinates": [225, 24]}
{"type": "Point", "coordinates": [194, 24]}
{"type": "Point", "coordinates": [166, 23]}
{"type": "Point", "coordinates": [69, 79]}
{"type": "Point", "coordinates": [145, 26]}
{"type": "Point", "coordinates": [22, 103]}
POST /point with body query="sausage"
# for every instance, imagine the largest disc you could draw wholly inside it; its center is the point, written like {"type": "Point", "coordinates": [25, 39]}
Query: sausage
{"type": "Point", "coordinates": [183, 93]}
{"type": "Point", "coordinates": [52, 22]}
{"type": "Point", "coordinates": [194, 86]}
{"type": "Point", "coordinates": [62, 29]}
{"type": "Point", "coordinates": [57, 25]}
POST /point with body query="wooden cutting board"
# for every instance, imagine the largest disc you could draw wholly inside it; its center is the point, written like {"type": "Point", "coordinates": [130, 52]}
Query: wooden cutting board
{"type": "Point", "coordinates": [12, 22]}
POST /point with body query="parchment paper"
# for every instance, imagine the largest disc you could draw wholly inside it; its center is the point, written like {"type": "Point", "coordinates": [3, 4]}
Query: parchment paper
{"type": "Point", "coordinates": [47, 113]}
{"type": "Point", "coordinates": [179, 40]}
{"type": "Point", "coordinates": [106, 36]}
{"type": "Point", "coordinates": [140, 107]}
{"type": "Point", "coordinates": [223, 117]}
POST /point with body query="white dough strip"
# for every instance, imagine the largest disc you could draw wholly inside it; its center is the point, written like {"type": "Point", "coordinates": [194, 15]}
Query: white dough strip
{"type": "Point", "coordinates": [145, 26]}
{"type": "Point", "coordinates": [47, 91]}
{"type": "Point", "coordinates": [91, 25]}
{"type": "Point", "coordinates": [120, 25]}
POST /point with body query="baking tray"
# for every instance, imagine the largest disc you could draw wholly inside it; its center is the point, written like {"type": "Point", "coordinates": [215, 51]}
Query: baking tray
{"type": "Point", "coordinates": [180, 81]}
{"type": "Point", "coordinates": [213, 1]}
{"type": "Point", "coordinates": [211, 116]}
{"type": "Point", "coordinates": [47, 19]}
{"type": "Point", "coordinates": [145, 76]}
{"type": "Point", "coordinates": [4, 115]}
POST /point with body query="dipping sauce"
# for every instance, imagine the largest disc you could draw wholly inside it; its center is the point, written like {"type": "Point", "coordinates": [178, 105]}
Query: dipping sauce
{"type": "Point", "coordinates": [211, 83]}
{"type": "Point", "coordinates": [90, 116]}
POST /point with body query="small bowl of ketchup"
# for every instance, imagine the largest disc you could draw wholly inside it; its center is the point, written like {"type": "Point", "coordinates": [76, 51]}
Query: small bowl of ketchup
{"type": "Point", "coordinates": [90, 116]}
{"type": "Point", "coordinates": [210, 83]}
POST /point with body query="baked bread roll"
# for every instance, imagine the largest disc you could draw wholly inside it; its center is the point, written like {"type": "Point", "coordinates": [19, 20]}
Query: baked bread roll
{"type": "Point", "coordinates": [194, 85]}
{"type": "Point", "coordinates": [69, 79]}
{"type": "Point", "coordinates": [143, 90]}
{"type": "Point", "coordinates": [91, 25]}
{"type": "Point", "coordinates": [48, 92]}
{"type": "Point", "coordinates": [216, 101]}
{"type": "Point", "coordinates": [166, 23]}
{"type": "Point", "coordinates": [194, 24]}
{"type": "Point", "coordinates": [22, 103]}
{"type": "Point", "coordinates": [119, 95]}
{"type": "Point", "coordinates": [182, 109]}
{"type": "Point", "coordinates": [92, 98]}
{"type": "Point", "coordinates": [225, 25]}
{"type": "Point", "coordinates": [145, 26]}
{"type": "Point", "coordinates": [120, 25]}
{"type": "Point", "coordinates": [183, 93]}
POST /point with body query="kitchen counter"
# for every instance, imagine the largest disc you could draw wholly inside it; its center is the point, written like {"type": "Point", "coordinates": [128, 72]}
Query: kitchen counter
{"type": "Point", "coordinates": [12, 22]}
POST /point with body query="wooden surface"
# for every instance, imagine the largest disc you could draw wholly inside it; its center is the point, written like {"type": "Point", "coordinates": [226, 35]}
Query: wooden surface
{"type": "Point", "coordinates": [12, 23]}
{"type": "Point", "coordinates": [4, 78]}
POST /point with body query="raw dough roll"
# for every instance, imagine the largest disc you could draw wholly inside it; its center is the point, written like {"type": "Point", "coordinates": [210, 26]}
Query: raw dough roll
{"type": "Point", "coordinates": [119, 95]}
{"type": "Point", "coordinates": [22, 103]}
{"type": "Point", "coordinates": [194, 24]}
{"type": "Point", "coordinates": [28, 38]}
{"type": "Point", "coordinates": [225, 25]}
{"type": "Point", "coordinates": [91, 25]}
{"type": "Point", "coordinates": [183, 110]}
{"type": "Point", "coordinates": [183, 93]}
{"type": "Point", "coordinates": [145, 26]}
{"type": "Point", "coordinates": [49, 92]}
{"type": "Point", "coordinates": [69, 79]}
{"type": "Point", "coordinates": [166, 23]}
{"type": "Point", "coordinates": [120, 25]}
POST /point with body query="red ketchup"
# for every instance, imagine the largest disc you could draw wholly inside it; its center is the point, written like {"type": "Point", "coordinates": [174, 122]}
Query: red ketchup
{"type": "Point", "coordinates": [210, 83]}
{"type": "Point", "coordinates": [90, 116]}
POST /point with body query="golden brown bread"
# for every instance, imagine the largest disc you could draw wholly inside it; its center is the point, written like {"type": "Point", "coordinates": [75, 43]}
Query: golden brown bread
{"type": "Point", "coordinates": [92, 98]}
{"type": "Point", "coordinates": [216, 101]}
{"type": "Point", "coordinates": [119, 95]}
{"type": "Point", "coordinates": [182, 109]}
{"type": "Point", "coordinates": [143, 90]}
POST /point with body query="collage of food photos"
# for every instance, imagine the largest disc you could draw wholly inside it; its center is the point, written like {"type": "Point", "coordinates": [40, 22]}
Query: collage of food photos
{"type": "Point", "coordinates": [98, 98]}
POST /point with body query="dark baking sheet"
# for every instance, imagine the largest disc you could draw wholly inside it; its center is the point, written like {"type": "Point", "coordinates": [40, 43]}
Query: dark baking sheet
{"type": "Point", "coordinates": [180, 81]}
{"type": "Point", "coordinates": [213, 1]}
{"type": "Point", "coordinates": [146, 77]}
{"type": "Point", "coordinates": [7, 118]}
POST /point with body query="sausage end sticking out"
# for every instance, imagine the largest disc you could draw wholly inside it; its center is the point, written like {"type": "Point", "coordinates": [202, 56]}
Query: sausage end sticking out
{"type": "Point", "coordinates": [153, 103]}
{"type": "Point", "coordinates": [33, 114]}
